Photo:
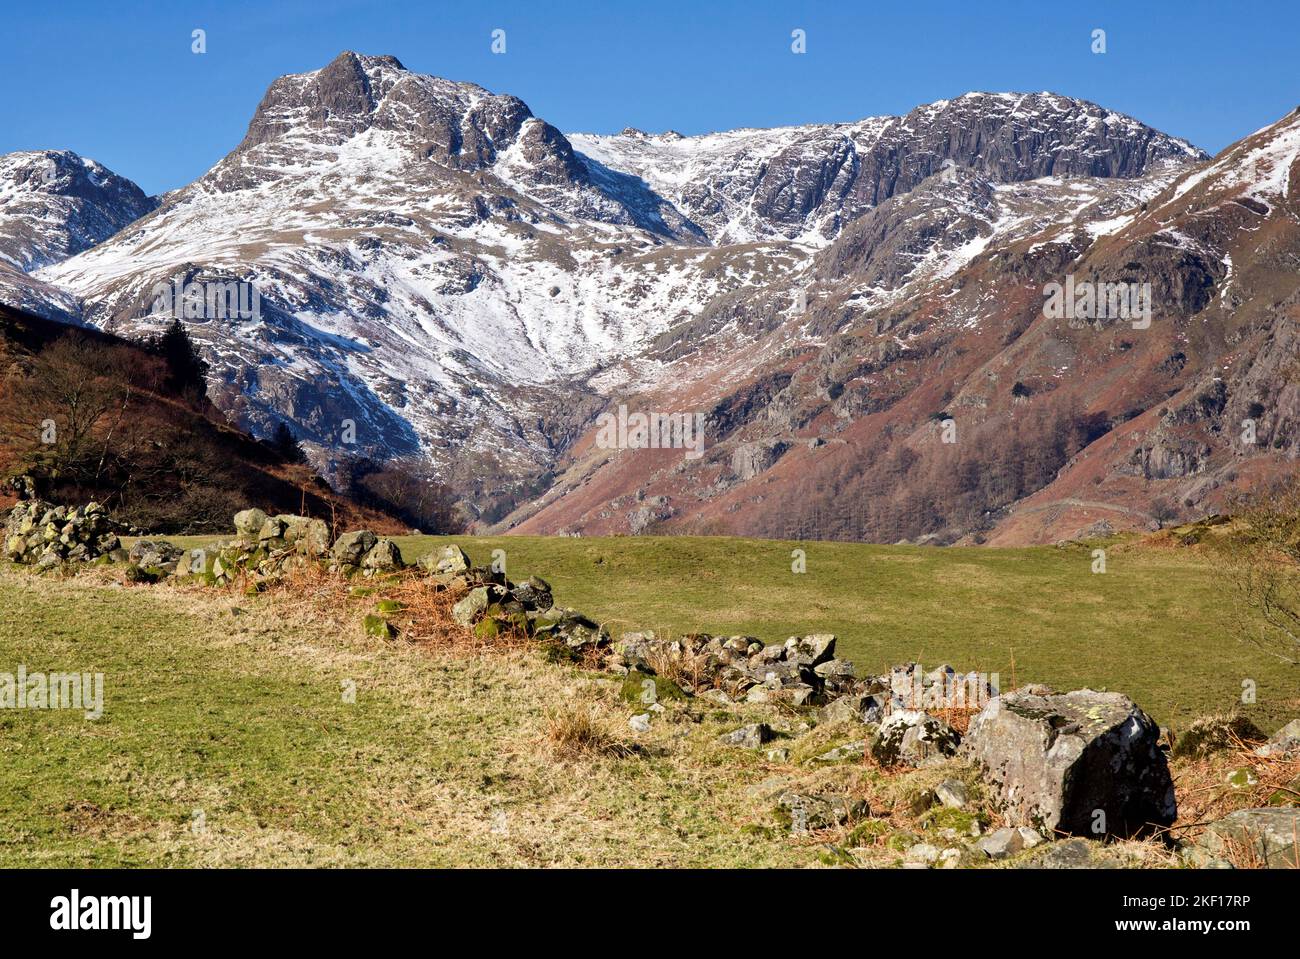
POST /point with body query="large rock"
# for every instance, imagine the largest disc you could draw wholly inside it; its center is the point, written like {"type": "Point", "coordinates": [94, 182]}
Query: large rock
{"type": "Point", "coordinates": [349, 548]}
{"type": "Point", "coordinates": [804, 812]}
{"type": "Point", "coordinates": [450, 559]}
{"type": "Point", "coordinates": [749, 737]}
{"type": "Point", "coordinates": [382, 557]}
{"type": "Point", "coordinates": [909, 737]}
{"type": "Point", "coordinates": [1008, 841]}
{"type": "Point", "coordinates": [471, 606]}
{"type": "Point", "coordinates": [855, 708]}
{"type": "Point", "coordinates": [1083, 763]}
{"type": "Point", "coordinates": [155, 554]}
{"type": "Point", "coordinates": [535, 593]}
{"type": "Point", "coordinates": [249, 523]}
{"type": "Point", "coordinates": [1262, 837]}
{"type": "Point", "coordinates": [308, 537]}
{"type": "Point", "coordinates": [810, 650]}
{"type": "Point", "coordinates": [1283, 744]}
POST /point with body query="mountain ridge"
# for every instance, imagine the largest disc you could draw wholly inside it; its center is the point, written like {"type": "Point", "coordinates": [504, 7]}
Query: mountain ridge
{"type": "Point", "coordinates": [462, 281]}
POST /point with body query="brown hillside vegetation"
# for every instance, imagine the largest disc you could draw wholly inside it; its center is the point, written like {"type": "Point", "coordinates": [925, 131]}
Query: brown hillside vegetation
{"type": "Point", "coordinates": [90, 416]}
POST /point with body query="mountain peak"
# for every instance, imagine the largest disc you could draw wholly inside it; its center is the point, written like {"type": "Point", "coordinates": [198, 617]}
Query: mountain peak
{"type": "Point", "coordinates": [331, 104]}
{"type": "Point", "coordinates": [54, 204]}
{"type": "Point", "coordinates": [366, 61]}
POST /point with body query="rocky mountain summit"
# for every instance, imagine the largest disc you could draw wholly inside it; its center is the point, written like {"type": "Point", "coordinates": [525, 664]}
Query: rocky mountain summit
{"type": "Point", "coordinates": [926, 393]}
{"type": "Point", "coordinates": [53, 205]}
{"type": "Point", "coordinates": [808, 182]}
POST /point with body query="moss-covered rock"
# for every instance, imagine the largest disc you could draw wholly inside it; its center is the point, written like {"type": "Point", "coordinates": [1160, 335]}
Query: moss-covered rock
{"type": "Point", "coordinates": [468, 609]}
{"type": "Point", "coordinates": [644, 688]}
{"type": "Point", "coordinates": [379, 627]}
{"type": "Point", "coordinates": [1212, 734]}
{"type": "Point", "coordinates": [140, 575]}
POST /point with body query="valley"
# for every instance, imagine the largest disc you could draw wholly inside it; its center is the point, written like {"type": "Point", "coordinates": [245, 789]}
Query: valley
{"type": "Point", "coordinates": [444, 278]}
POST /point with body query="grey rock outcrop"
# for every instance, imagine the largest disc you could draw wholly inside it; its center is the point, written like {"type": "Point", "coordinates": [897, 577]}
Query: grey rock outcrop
{"type": "Point", "coordinates": [1283, 744]}
{"type": "Point", "coordinates": [913, 738]}
{"type": "Point", "coordinates": [1083, 763]}
{"type": "Point", "coordinates": [751, 736]}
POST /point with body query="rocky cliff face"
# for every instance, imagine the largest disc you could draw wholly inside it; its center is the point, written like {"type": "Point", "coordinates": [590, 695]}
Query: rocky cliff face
{"type": "Point", "coordinates": [811, 181]}
{"type": "Point", "coordinates": [437, 270]}
{"type": "Point", "coordinates": [53, 205]}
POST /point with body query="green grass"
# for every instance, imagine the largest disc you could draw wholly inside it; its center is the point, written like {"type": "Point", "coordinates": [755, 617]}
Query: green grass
{"type": "Point", "coordinates": [228, 711]}
{"type": "Point", "coordinates": [1156, 625]}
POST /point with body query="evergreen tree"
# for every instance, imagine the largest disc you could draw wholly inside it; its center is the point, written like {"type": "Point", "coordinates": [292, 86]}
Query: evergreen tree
{"type": "Point", "coordinates": [186, 369]}
{"type": "Point", "coordinates": [286, 445]}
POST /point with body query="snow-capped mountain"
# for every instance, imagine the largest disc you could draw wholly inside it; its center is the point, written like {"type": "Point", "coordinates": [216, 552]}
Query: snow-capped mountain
{"type": "Point", "coordinates": [459, 280]}
{"type": "Point", "coordinates": [807, 182]}
{"type": "Point", "coordinates": [53, 205]}
{"type": "Point", "coordinates": [432, 263]}
{"type": "Point", "coordinates": [927, 394]}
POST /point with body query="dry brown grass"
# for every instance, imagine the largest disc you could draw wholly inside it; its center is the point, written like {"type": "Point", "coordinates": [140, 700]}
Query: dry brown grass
{"type": "Point", "coordinates": [1204, 795]}
{"type": "Point", "coordinates": [684, 668]}
{"type": "Point", "coordinates": [958, 717]}
{"type": "Point", "coordinates": [575, 730]}
{"type": "Point", "coordinates": [424, 618]}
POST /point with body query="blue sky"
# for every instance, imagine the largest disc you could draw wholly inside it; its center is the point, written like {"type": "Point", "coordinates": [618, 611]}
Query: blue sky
{"type": "Point", "coordinates": [118, 81]}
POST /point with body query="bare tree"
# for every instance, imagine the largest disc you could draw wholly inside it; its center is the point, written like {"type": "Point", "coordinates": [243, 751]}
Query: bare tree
{"type": "Point", "coordinates": [1265, 570]}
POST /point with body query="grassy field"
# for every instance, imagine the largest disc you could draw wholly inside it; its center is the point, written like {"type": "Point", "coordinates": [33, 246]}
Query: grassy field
{"type": "Point", "coordinates": [227, 739]}
{"type": "Point", "coordinates": [1156, 625]}
{"type": "Point", "coordinates": [260, 730]}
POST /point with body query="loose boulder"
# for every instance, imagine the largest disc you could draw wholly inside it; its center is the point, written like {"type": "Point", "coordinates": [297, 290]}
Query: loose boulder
{"type": "Point", "coordinates": [349, 548]}
{"type": "Point", "coordinates": [249, 523]}
{"type": "Point", "coordinates": [155, 554]}
{"type": "Point", "coordinates": [748, 737]}
{"type": "Point", "coordinates": [1001, 843]}
{"type": "Point", "coordinates": [1083, 763]}
{"type": "Point", "coordinates": [803, 813]}
{"type": "Point", "coordinates": [307, 537]}
{"type": "Point", "coordinates": [471, 606]}
{"type": "Point", "coordinates": [384, 556]}
{"type": "Point", "coordinates": [449, 560]}
{"type": "Point", "coordinates": [858, 708]}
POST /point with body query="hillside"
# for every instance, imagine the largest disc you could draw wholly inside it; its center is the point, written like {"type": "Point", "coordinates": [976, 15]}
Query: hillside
{"type": "Point", "coordinates": [926, 394]}
{"type": "Point", "coordinates": [119, 434]}
{"type": "Point", "coordinates": [267, 727]}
